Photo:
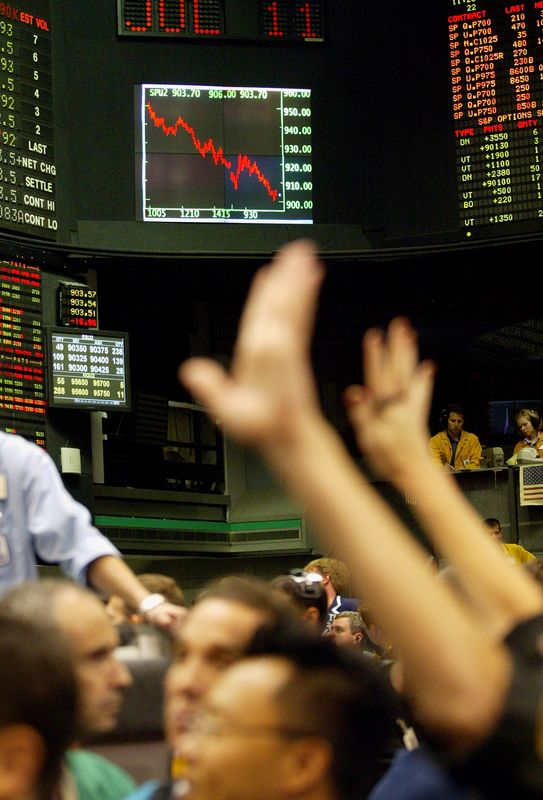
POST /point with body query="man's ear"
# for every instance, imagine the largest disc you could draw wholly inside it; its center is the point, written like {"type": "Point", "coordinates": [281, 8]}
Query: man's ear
{"type": "Point", "coordinates": [307, 764]}
{"type": "Point", "coordinates": [22, 756]}
{"type": "Point", "coordinates": [358, 636]}
{"type": "Point", "coordinates": [311, 614]}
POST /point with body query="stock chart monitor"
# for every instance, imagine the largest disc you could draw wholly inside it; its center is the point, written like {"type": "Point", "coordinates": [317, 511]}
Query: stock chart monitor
{"type": "Point", "coordinates": [223, 154]}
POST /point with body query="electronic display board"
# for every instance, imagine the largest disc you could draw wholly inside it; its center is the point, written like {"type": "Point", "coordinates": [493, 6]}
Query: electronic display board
{"type": "Point", "coordinates": [269, 20]}
{"type": "Point", "coordinates": [22, 378]}
{"type": "Point", "coordinates": [27, 168]}
{"type": "Point", "coordinates": [27, 430]}
{"type": "Point", "coordinates": [223, 154]}
{"type": "Point", "coordinates": [77, 305]}
{"type": "Point", "coordinates": [88, 370]}
{"type": "Point", "coordinates": [496, 70]}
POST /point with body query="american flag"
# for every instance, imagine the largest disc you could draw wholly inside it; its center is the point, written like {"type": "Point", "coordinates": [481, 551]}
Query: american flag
{"type": "Point", "coordinates": [531, 486]}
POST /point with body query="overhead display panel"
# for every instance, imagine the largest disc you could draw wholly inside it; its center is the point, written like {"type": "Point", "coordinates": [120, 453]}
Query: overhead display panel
{"type": "Point", "coordinates": [223, 154]}
{"type": "Point", "coordinates": [268, 20]}
{"type": "Point", "coordinates": [27, 168]}
{"type": "Point", "coordinates": [496, 58]}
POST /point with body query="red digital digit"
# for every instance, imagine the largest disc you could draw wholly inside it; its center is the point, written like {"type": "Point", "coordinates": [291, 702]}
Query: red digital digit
{"type": "Point", "coordinates": [172, 17]}
{"type": "Point", "coordinates": [138, 16]}
{"type": "Point", "coordinates": [274, 29]}
{"type": "Point", "coordinates": [308, 19]}
{"type": "Point", "coordinates": [274, 19]}
{"type": "Point", "coordinates": [206, 18]}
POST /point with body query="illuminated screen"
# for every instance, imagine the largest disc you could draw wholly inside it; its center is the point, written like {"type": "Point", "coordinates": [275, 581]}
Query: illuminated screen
{"type": "Point", "coordinates": [496, 60]}
{"type": "Point", "coordinates": [27, 150]}
{"type": "Point", "coordinates": [290, 20]}
{"type": "Point", "coordinates": [223, 154]}
{"type": "Point", "coordinates": [88, 369]}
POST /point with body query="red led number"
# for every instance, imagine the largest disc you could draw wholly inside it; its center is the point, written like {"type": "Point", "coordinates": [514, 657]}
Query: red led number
{"type": "Point", "coordinates": [283, 19]}
{"type": "Point", "coordinates": [138, 16]}
{"type": "Point", "coordinates": [172, 16]}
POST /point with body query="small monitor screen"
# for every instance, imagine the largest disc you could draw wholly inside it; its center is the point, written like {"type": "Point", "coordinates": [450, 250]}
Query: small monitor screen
{"type": "Point", "coordinates": [88, 370]}
{"type": "Point", "coordinates": [501, 415]}
{"type": "Point", "coordinates": [223, 154]}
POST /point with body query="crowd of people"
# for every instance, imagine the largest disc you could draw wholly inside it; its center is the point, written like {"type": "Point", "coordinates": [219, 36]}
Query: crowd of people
{"type": "Point", "coordinates": [358, 675]}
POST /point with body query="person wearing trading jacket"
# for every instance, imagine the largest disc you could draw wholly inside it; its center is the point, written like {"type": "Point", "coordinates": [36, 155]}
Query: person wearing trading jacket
{"type": "Point", "coordinates": [453, 447]}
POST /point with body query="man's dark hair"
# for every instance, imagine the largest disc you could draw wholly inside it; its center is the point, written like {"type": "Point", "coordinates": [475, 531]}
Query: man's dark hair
{"type": "Point", "coordinates": [336, 694]}
{"type": "Point", "coordinates": [250, 591]}
{"type": "Point", "coordinates": [453, 408]}
{"type": "Point", "coordinates": [304, 594]}
{"type": "Point", "coordinates": [38, 689]}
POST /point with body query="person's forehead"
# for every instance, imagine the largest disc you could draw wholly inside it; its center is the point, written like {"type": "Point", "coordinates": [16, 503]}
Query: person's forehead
{"type": "Point", "coordinates": [340, 625]}
{"type": "Point", "coordinates": [220, 622]}
{"type": "Point", "coordinates": [456, 416]}
{"type": "Point", "coordinates": [249, 685]}
{"type": "Point", "coordinates": [85, 623]}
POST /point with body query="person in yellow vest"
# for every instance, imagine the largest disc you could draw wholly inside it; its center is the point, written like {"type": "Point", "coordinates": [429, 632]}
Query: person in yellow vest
{"type": "Point", "coordinates": [453, 447]}
{"type": "Point", "coordinates": [529, 425]}
{"type": "Point", "coordinates": [515, 552]}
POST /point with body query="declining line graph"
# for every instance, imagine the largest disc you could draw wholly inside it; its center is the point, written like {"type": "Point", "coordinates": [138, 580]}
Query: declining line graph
{"type": "Point", "coordinates": [223, 154]}
{"type": "Point", "coordinates": [244, 162]}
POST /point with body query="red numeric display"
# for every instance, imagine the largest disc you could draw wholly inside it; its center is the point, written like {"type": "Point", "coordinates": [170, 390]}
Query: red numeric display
{"type": "Point", "coordinates": [271, 20]}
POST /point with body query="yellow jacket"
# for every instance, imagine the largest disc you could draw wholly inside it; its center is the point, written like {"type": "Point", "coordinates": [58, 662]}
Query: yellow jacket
{"type": "Point", "coordinates": [538, 447]}
{"type": "Point", "coordinates": [517, 553]}
{"type": "Point", "coordinates": [468, 451]}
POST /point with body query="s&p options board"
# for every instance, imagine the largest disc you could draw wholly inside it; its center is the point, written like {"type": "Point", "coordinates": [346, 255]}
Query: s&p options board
{"type": "Point", "coordinates": [496, 57]}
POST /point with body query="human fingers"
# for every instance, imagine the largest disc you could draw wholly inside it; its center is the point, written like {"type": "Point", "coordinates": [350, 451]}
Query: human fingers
{"type": "Point", "coordinates": [421, 390]}
{"type": "Point", "coordinates": [207, 382]}
{"type": "Point", "coordinates": [365, 409]}
{"type": "Point", "coordinates": [389, 360]}
{"type": "Point", "coordinates": [241, 409]}
{"type": "Point", "coordinates": [402, 352]}
{"type": "Point", "coordinates": [374, 371]}
{"type": "Point", "coordinates": [280, 308]}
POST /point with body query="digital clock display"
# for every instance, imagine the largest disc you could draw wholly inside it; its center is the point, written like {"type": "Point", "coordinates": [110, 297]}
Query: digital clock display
{"type": "Point", "coordinates": [88, 370]}
{"type": "Point", "coordinates": [264, 20]}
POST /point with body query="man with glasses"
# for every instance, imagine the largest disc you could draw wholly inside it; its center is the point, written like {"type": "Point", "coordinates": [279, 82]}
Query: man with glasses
{"type": "Point", "coordinates": [217, 630]}
{"type": "Point", "coordinates": [299, 717]}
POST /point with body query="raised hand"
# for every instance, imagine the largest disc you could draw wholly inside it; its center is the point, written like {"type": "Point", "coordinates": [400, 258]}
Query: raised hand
{"type": "Point", "coordinates": [389, 414]}
{"type": "Point", "coordinates": [270, 385]}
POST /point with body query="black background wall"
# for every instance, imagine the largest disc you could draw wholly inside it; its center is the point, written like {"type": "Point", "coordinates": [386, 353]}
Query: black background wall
{"type": "Point", "coordinates": [385, 205]}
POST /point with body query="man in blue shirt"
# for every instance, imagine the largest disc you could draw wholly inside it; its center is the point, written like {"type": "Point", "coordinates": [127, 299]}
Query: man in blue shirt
{"type": "Point", "coordinates": [40, 518]}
